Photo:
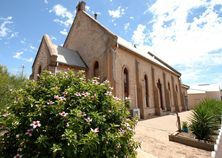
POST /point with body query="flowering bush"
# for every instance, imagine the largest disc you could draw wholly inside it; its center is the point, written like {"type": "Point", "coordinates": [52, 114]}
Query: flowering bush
{"type": "Point", "coordinates": [64, 115]}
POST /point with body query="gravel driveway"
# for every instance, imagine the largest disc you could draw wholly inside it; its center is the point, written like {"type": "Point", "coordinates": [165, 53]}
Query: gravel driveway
{"type": "Point", "coordinates": [153, 135]}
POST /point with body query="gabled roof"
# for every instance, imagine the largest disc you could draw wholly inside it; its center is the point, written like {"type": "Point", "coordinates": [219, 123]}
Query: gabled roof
{"type": "Point", "coordinates": [61, 55]}
{"type": "Point", "coordinates": [69, 57]}
{"type": "Point", "coordinates": [49, 45]}
{"type": "Point", "coordinates": [129, 46]}
{"type": "Point", "coordinates": [145, 54]}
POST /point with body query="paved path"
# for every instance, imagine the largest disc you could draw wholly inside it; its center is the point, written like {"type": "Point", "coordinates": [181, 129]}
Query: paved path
{"type": "Point", "coordinates": [153, 135]}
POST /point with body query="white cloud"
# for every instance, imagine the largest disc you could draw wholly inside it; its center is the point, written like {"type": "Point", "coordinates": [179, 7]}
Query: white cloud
{"type": "Point", "coordinates": [18, 55]}
{"type": "Point", "coordinates": [15, 34]}
{"type": "Point", "coordinates": [192, 40]}
{"type": "Point", "coordinates": [53, 37]}
{"type": "Point", "coordinates": [119, 12]}
{"type": "Point", "coordinates": [23, 41]}
{"type": "Point", "coordinates": [46, 1]}
{"type": "Point", "coordinates": [32, 47]}
{"type": "Point", "coordinates": [64, 32]}
{"type": "Point", "coordinates": [87, 8]}
{"type": "Point", "coordinates": [28, 59]}
{"type": "Point", "coordinates": [139, 35]}
{"type": "Point", "coordinates": [131, 17]}
{"type": "Point", "coordinates": [65, 16]}
{"type": "Point", "coordinates": [181, 39]}
{"type": "Point", "coordinates": [126, 26]}
{"type": "Point", "coordinates": [5, 30]}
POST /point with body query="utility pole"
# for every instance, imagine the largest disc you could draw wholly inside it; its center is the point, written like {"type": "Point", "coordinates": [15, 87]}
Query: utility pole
{"type": "Point", "coordinates": [23, 67]}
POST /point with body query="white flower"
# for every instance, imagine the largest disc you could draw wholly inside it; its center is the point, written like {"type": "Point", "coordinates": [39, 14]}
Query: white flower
{"type": "Point", "coordinates": [65, 93]}
{"type": "Point", "coordinates": [96, 130]}
{"type": "Point", "coordinates": [78, 94]}
{"type": "Point", "coordinates": [62, 98]}
{"type": "Point", "coordinates": [108, 93]}
{"type": "Point", "coordinates": [50, 102]}
{"type": "Point", "coordinates": [63, 114]}
{"type": "Point", "coordinates": [95, 81]}
{"type": "Point", "coordinates": [56, 97]}
{"type": "Point", "coordinates": [29, 132]}
{"type": "Point", "coordinates": [83, 114]}
{"type": "Point", "coordinates": [19, 149]}
{"type": "Point", "coordinates": [88, 119]}
{"type": "Point", "coordinates": [5, 114]}
{"type": "Point", "coordinates": [118, 145]}
{"type": "Point", "coordinates": [106, 82]}
{"type": "Point", "coordinates": [35, 124]}
{"type": "Point", "coordinates": [85, 94]}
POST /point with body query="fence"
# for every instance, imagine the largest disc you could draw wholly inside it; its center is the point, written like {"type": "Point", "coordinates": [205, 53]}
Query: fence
{"type": "Point", "coordinates": [217, 153]}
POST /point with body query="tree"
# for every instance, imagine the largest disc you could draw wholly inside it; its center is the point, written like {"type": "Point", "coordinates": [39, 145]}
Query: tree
{"type": "Point", "coordinates": [64, 115]}
{"type": "Point", "coordinates": [8, 83]}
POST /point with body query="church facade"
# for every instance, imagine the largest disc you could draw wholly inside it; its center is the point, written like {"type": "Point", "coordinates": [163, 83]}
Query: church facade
{"type": "Point", "coordinates": [154, 87]}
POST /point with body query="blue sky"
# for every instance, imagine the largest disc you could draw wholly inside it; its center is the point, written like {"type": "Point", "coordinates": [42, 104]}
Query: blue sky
{"type": "Point", "coordinates": [185, 34]}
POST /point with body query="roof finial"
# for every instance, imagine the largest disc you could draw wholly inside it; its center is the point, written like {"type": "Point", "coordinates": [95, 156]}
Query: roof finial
{"type": "Point", "coordinates": [81, 6]}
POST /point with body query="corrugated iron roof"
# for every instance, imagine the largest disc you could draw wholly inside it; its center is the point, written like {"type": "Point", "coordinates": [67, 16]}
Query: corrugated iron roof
{"type": "Point", "coordinates": [69, 57]}
{"type": "Point", "coordinates": [128, 45]}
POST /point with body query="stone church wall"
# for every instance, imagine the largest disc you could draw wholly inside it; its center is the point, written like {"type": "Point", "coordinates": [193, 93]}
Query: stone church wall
{"type": "Point", "coordinates": [92, 43]}
{"type": "Point", "coordinates": [42, 61]}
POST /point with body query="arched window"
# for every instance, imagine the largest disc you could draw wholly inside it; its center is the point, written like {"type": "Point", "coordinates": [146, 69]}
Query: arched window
{"type": "Point", "coordinates": [169, 86]}
{"type": "Point", "coordinates": [39, 71]}
{"type": "Point", "coordinates": [96, 69]}
{"type": "Point", "coordinates": [159, 85]}
{"type": "Point", "coordinates": [146, 91]}
{"type": "Point", "coordinates": [176, 89]}
{"type": "Point", "coordinates": [126, 83]}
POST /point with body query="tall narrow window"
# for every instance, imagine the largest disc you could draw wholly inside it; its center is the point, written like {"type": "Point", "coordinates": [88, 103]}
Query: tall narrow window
{"type": "Point", "coordinates": [146, 91]}
{"type": "Point", "coordinates": [159, 85]}
{"type": "Point", "coordinates": [126, 83]}
{"type": "Point", "coordinates": [169, 86]}
{"type": "Point", "coordinates": [176, 89]}
{"type": "Point", "coordinates": [39, 71]}
{"type": "Point", "coordinates": [96, 69]}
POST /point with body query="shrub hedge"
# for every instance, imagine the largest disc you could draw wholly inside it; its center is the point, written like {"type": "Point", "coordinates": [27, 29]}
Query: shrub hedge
{"type": "Point", "coordinates": [64, 115]}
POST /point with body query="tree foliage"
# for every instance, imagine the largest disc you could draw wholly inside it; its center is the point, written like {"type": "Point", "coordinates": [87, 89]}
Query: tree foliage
{"type": "Point", "coordinates": [8, 83]}
{"type": "Point", "coordinates": [64, 115]}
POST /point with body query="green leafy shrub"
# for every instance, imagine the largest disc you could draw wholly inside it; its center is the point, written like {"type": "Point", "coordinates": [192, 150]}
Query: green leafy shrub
{"type": "Point", "coordinates": [205, 119]}
{"type": "Point", "coordinates": [185, 126]}
{"type": "Point", "coordinates": [64, 115]}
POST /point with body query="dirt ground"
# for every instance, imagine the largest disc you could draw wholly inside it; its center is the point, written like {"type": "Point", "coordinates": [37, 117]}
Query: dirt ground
{"type": "Point", "coordinates": [153, 135]}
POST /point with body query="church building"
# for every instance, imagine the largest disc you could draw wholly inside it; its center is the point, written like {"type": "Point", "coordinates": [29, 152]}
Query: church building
{"type": "Point", "coordinates": [154, 87]}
